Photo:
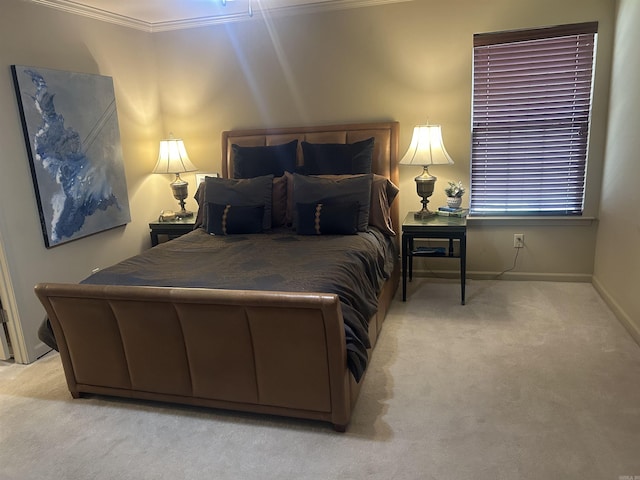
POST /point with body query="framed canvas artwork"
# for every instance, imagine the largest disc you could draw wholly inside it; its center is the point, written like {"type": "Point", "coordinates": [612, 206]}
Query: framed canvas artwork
{"type": "Point", "coordinates": [71, 131]}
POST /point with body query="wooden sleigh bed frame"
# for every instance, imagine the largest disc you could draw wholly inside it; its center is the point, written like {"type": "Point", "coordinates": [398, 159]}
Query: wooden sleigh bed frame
{"type": "Point", "coordinates": [151, 343]}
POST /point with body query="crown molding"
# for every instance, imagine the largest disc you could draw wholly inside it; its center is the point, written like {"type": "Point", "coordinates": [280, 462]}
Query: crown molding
{"type": "Point", "coordinates": [77, 8]}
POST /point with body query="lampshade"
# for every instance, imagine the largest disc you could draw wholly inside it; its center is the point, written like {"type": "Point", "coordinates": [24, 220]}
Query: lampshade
{"type": "Point", "coordinates": [173, 157]}
{"type": "Point", "coordinates": [426, 147]}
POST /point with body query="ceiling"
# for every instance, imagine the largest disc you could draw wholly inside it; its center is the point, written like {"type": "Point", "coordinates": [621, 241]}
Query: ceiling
{"type": "Point", "coordinates": [159, 15]}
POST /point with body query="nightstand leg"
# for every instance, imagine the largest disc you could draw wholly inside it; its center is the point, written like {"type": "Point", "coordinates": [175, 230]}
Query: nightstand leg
{"type": "Point", "coordinates": [405, 252]}
{"type": "Point", "coordinates": [463, 265]}
{"type": "Point", "coordinates": [410, 255]}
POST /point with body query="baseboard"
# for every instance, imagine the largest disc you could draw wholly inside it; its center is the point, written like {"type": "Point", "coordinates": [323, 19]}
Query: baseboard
{"type": "Point", "coordinates": [478, 275]}
{"type": "Point", "coordinates": [621, 315]}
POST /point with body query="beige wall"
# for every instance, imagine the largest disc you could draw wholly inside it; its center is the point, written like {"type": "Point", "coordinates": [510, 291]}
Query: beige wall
{"type": "Point", "coordinates": [409, 62]}
{"type": "Point", "coordinates": [617, 260]}
{"type": "Point", "coordinates": [43, 37]}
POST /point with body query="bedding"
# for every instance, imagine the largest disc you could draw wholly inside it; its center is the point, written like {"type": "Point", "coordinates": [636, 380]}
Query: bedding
{"type": "Point", "coordinates": [352, 266]}
{"type": "Point", "coordinates": [249, 162]}
{"type": "Point", "coordinates": [383, 193]}
{"type": "Point", "coordinates": [232, 219]}
{"type": "Point", "coordinates": [338, 158]}
{"type": "Point", "coordinates": [279, 207]}
{"type": "Point", "coordinates": [357, 188]}
{"type": "Point", "coordinates": [278, 202]}
{"type": "Point", "coordinates": [339, 218]}
{"type": "Point", "coordinates": [241, 193]}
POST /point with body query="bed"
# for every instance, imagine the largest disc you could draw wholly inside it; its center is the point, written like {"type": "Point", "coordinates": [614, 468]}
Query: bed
{"type": "Point", "coordinates": [185, 322]}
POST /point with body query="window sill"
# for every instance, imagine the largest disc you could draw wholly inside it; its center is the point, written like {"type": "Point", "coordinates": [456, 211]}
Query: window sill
{"type": "Point", "coordinates": [526, 220]}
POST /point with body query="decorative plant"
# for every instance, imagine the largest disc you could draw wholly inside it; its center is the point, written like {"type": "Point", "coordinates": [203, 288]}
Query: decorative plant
{"type": "Point", "coordinates": [455, 189]}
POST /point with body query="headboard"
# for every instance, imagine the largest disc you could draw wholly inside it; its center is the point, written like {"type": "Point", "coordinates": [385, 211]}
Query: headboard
{"type": "Point", "coordinates": [385, 151]}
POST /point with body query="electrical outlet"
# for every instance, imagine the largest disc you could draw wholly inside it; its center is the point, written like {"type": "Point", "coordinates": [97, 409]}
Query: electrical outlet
{"type": "Point", "coordinates": [518, 240]}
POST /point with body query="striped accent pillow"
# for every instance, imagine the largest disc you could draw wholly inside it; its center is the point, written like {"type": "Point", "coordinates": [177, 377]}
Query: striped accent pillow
{"type": "Point", "coordinates": [340, 218]}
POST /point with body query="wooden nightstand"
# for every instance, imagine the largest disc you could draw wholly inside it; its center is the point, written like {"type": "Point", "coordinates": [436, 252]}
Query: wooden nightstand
{"type": "Point", "coordinates": [451, 228]}
{"type": "Point", "coordinates": [171, 228]}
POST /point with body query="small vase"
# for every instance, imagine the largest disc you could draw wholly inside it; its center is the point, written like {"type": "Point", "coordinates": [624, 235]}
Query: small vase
{"type": "Point", "coordinates": [454, 202]}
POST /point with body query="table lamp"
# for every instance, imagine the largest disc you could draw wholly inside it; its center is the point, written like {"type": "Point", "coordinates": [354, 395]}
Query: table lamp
{"type": "Point", "coordinates": [426, 149]}
{"type": "Point", "coordinates": [173, 159]}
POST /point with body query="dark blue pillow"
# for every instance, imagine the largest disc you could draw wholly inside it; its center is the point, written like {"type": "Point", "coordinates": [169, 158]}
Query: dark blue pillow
{"type": "Point", "coordinates": [338, 158]}
{"type": "Point", "coordinates": [327, 218]}
{"type": "Point", "coordinates": [250, 162]}
{"type": "Point", "coordinates": [241, 192]}
{"type": "Point", "coordinates": [232, 219]}
{"type": "Point", "coordinates": [357, 188]}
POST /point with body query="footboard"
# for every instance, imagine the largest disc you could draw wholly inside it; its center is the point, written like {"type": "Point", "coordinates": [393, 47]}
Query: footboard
{"type": "Point", "coordinates": [266, 352]}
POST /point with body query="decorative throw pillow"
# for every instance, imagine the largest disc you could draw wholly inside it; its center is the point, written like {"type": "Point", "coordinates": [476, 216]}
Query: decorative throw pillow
{"type": "Point", "coordinates": [338, 158]}
{"type": "Point", "coordinates": [241, 193]}
{"type": "Point", "coordinates": [279, 201]}
{"type": "Point", "coordinates": [327, 218]}
{"type": "Point", "coordinates": [199, 198]}
{"type": "Point", "coordinates": [250, 162]}
{"type": "Point", "coordinates": [356, 188]}
{"type": "Point", "coordinates": [383, 192]}
{"type": "Point", "coordinates": [230, 219]}
{"type": "Point", "coordinates": [289, 214]}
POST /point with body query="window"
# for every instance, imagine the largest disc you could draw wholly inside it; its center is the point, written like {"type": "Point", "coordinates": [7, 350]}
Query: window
{"type": "Point", "coordinates": [531, 110]}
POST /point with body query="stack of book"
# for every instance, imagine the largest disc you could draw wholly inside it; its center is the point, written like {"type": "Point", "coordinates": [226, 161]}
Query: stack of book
{"type": "Point", "coordinates": [430, 251]}
{"type": "Point", "coordinates": [453, 212]}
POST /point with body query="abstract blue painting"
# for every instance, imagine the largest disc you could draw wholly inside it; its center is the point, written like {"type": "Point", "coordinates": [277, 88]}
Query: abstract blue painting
{"type": "Point", "coordinates": [71, 130]}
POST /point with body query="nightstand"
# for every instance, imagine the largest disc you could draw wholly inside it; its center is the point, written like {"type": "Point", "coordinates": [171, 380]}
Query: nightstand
{"type": "Point", "coordinates": [170, 228]}
{"type": "Point", "coordinates": [435, 227]}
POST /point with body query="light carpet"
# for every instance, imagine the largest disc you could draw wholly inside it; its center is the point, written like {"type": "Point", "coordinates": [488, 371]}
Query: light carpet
{"type": "Point", "coordinates": [529, 380]}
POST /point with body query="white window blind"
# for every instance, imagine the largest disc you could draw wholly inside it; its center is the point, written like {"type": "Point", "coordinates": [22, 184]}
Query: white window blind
{"type": "Point", "coordinates": [531, 111]}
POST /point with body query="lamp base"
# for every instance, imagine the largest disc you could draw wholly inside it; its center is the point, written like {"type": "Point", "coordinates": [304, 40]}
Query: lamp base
{"type": "Point", "coordinates": [183, 213]}
{"type": "Point", "coordinates": [425, 183]}
{"type": "Point", "coordinates": [423, 214]}
{"type": "Point", "coordinates": [180, 192]}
